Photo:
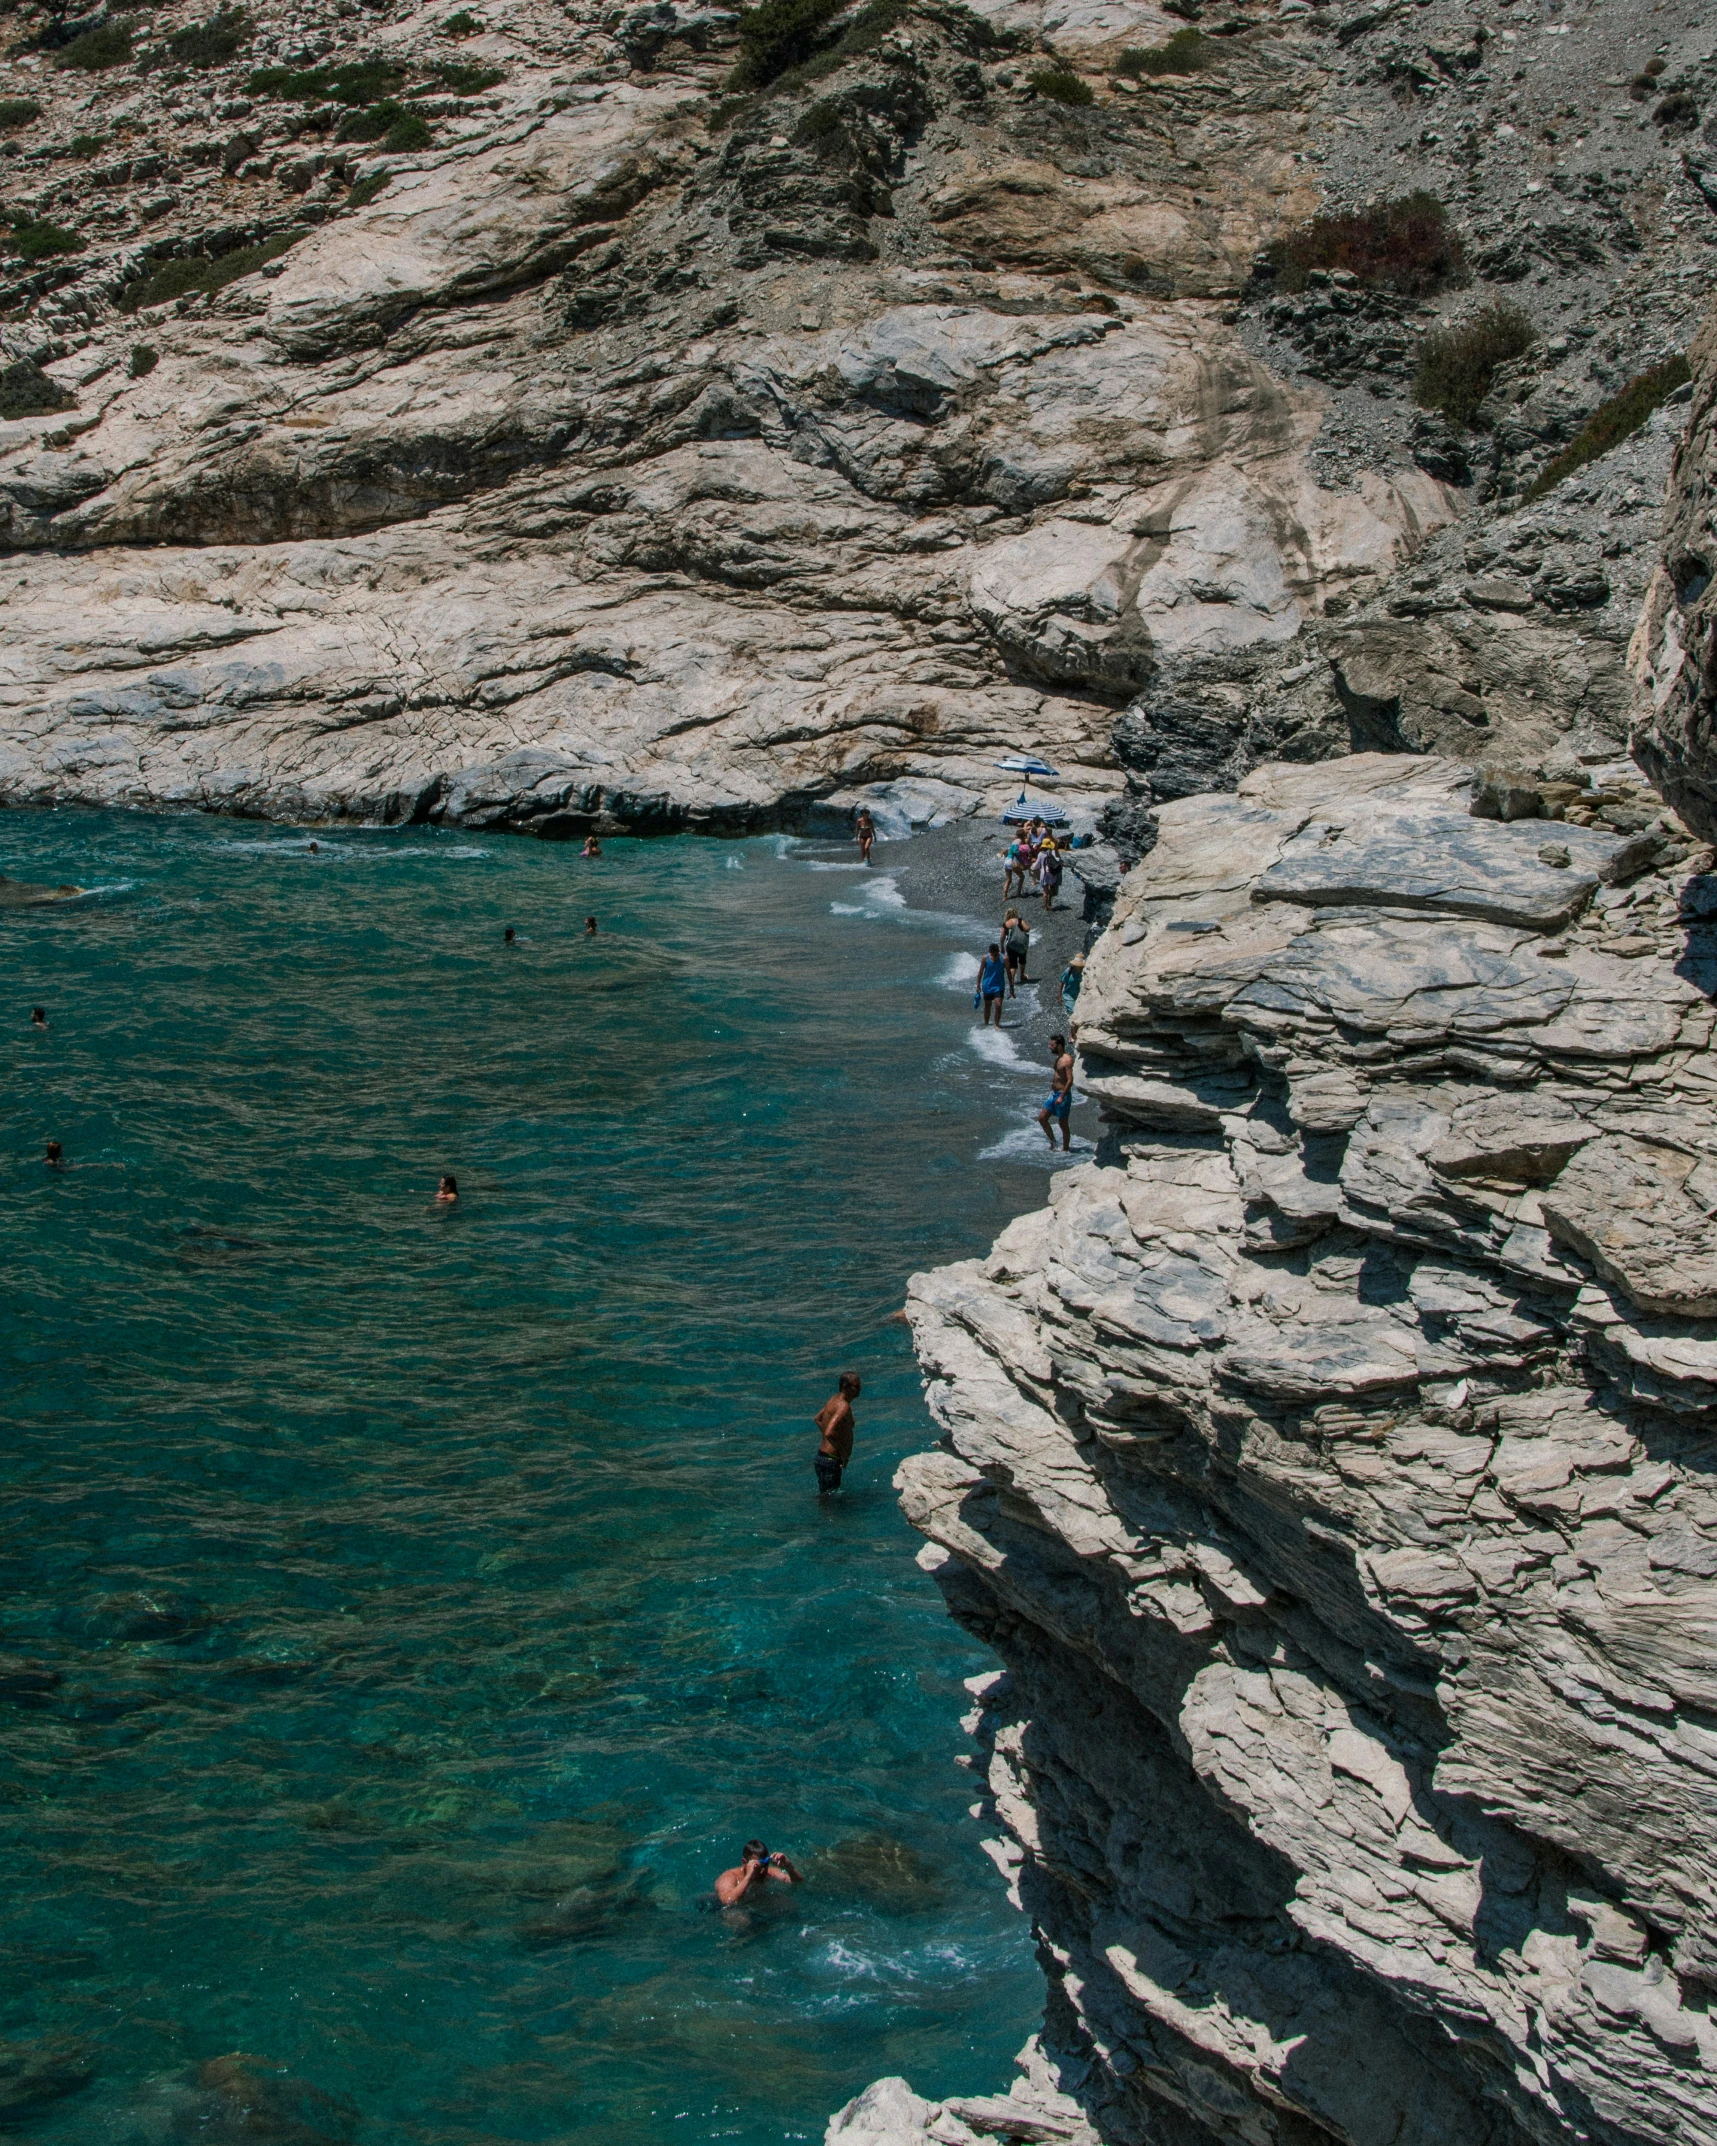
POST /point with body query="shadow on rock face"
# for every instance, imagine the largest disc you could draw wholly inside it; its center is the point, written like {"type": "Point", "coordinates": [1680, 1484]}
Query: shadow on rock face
{"type": "Point", "coordinates": [886, 1873]}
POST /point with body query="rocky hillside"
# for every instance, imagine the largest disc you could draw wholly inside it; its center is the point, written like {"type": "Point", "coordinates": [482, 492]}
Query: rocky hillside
{"type": "Point", "coordinates": [533, 415]}
{"type": "Point", "coordinates": [1329, 1465]}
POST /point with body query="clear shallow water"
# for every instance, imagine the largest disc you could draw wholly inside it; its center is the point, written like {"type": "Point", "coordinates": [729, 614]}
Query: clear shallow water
{"type": "Point", "coordinates": [440, 1598]}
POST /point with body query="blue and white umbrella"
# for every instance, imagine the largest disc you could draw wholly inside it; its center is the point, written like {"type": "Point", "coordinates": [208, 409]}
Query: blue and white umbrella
{"type": "Point", "coordinates": [1026, 764]}
{"type": "Point", "coordinates": [1034, 808]}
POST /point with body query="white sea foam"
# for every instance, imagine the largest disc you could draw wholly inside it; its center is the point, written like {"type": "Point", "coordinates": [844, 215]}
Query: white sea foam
{"type": "Point", "coordinates": [736, 864]}
{"type": "Point", "coordinates": [818, 864]}
{"type": "Point", "coordinates": [1025, 1143]}
{"type": "Point", "coordinates": [996, 1046]}
{"type": "Point", "coordinates": [959, 973]}
{"type": "Point", "coordinates": [111, 886]}
{"type": "Point", "coordinates": [353, 852]}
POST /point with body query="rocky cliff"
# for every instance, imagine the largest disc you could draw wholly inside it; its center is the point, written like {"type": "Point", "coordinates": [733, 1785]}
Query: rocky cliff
{"type": "Point", "coordinates": [536, 415]}
{"type": "Point", "coordinates": [1329, 1465]}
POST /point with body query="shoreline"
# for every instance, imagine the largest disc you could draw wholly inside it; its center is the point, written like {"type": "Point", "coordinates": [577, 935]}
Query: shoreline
{"type": "Point", "coordinates": [957, 868]}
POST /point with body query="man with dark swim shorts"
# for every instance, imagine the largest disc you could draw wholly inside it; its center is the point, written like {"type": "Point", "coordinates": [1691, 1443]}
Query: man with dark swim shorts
{"type": "Point", "coordinates": [1058, 1104]}
{"type": "Point", "coordinates": [835, 1421]}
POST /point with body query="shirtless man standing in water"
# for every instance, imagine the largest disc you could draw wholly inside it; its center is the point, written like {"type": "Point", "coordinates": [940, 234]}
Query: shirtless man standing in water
{"type": "Point", "coordinates": [1058, 1104]}
{"type": "Point", "coordinates": [835, 1421]}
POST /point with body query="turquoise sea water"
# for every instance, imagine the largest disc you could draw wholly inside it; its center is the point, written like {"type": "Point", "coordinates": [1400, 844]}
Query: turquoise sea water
{"type": "Point", "coordinates": [440, 1598]}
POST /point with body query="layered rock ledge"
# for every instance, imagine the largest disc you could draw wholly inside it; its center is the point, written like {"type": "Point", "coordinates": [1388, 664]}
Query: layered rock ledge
{"type": "Point", "coordinates": [1329, 1464]}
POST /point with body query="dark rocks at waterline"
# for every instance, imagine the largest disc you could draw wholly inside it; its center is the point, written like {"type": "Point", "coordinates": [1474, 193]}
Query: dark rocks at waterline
{"type": "Point", "coordinates": [35, 2075]}
{"type": "Point", "coordinates": [21, 894]}
{"type": "Point", "coordinates": [156, 1614]}
{"type": "Point", "coordinates": [884, 1872]}
{"type": "Point", "coordinates": [27, 1683]}
{"type": "Point", "coordinates": [237, 2100]}
{"type": "Point", "coordinates": [588, 1911]}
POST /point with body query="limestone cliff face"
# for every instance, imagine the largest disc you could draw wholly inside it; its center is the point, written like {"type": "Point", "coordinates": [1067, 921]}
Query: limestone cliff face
{"type": "Point", "coordinates": [1674, 648]}
{"type": "Point", "coordinates": [632, 451]}
{"type": "Point", "coordinates": [1329, 1464]}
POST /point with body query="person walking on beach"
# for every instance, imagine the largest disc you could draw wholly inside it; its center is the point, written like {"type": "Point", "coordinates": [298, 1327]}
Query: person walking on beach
{"type": "Point", "coordinates": [992, 984]}
{"type": "Point", "coordinates": [757, 1865]}
{"type": "Point", "coordinates": [834, 1420]}
{"type": "Point", "coordinates": [1049, 873]}
{"type": "Point", "coordinates": [1012, 869]}
{"type": "Point", "coordinates": [1072, 977]}
{"type": "Point", "coordinates": [1058, 1104]}
{"type": "Point", "coordinates": [865, 828]}
{"type": "Point", "coordinates": [1016, 945]}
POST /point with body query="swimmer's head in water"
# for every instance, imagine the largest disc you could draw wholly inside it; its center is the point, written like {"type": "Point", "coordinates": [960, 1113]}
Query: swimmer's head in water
{"type": "Point", "coordinates": [38, 1016]}
{"type": "Point", "coordinates": [55, 1151]}
{"type": "Point", "coordinates": [508, 935]}
{"type": "Point", "coordinates": [449, 1188]}
{"type": "Point", "coordinates": [590, 926]}
{"type": "Point", "coordinates": [755, 1852]}
{"type": "Point", "coordinates": [850, 1385]}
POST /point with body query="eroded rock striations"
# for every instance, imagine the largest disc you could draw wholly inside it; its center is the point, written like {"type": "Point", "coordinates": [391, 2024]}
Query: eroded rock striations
{"type": "Point", "coordinates": [1329, 1464]}
{"type": "Point", "coordinates": [503, 417]}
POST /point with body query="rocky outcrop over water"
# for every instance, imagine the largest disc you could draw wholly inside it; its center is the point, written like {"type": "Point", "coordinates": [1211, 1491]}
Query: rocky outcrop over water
{"type": "Point", "coordinates": [500, 417]}
{"type": "Point", "coordinates": [1328, 1464]}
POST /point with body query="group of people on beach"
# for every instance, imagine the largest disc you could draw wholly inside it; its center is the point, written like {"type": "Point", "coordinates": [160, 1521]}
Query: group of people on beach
{"type": "Point", "coordinates": [1033, 858]}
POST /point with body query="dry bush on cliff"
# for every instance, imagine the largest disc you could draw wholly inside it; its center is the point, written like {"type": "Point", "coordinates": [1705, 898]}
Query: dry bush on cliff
{"type": "Point", "coordinates": [1404, 245]}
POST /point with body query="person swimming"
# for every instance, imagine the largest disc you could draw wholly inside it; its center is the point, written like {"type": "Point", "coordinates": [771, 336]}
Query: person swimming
{"type": "Point", "coordinates": [447, 1191]}
{"type": "Point", "coordinates": [592, 846]}
{"type": "Point", "coordinates": [509, 937]}
{"type": "Point", "coordinates": [55, 1158]}
{"type": "Point", "coordinates": [38, 1017]}
{"type": "Point", "coordinates": [590, 927]}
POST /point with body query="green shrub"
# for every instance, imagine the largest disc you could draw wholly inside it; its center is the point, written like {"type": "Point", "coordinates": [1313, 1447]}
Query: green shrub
{"type": "Point", "coordinates": [143, 360]}
{"type": "Point", "coordinates": [464, 78]}
{"type": "Point", "coordinates": [409, 131]}
{"type": "Point", "coordinates": [82, 145]}
{"type": "Point", "coordinates": [16, 112]}
{"type": "Point", "coordinates": [778, 34]}
{"type": "Point", "coordinates": [38, 241]}
{"type": "Point", "coordinates": [1186, 53]}
{"type": "Point", "coordinates": [1063, 85]}
{"type": "Point", "coordinates": [1678, 112]}
{"type": "Point", "coordinates": [823, 129]}
{"type": "Point", "coordinates": [1613, 421]}
{"type": "Point", "coordinates": [395, 126]}
{"type": "Point", "coordinates": [366, 190]}
{"type": "Point", "coordinates": [211, 43]}
{"type": "Point", "coordinates": [1404, 245]}
{"type": "Point", "coordinates": [26, 391]}
{"type": "Point", "coordinates": [107, 45]}
{"type": "Point", "coordinates": [1458, 364]}
{"type": "Point", "coordinates": [201, 272]}
{"type": "Point", "coordinates": [352, 82]}
{"type": "Point", "coordinates": [464, 24]}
